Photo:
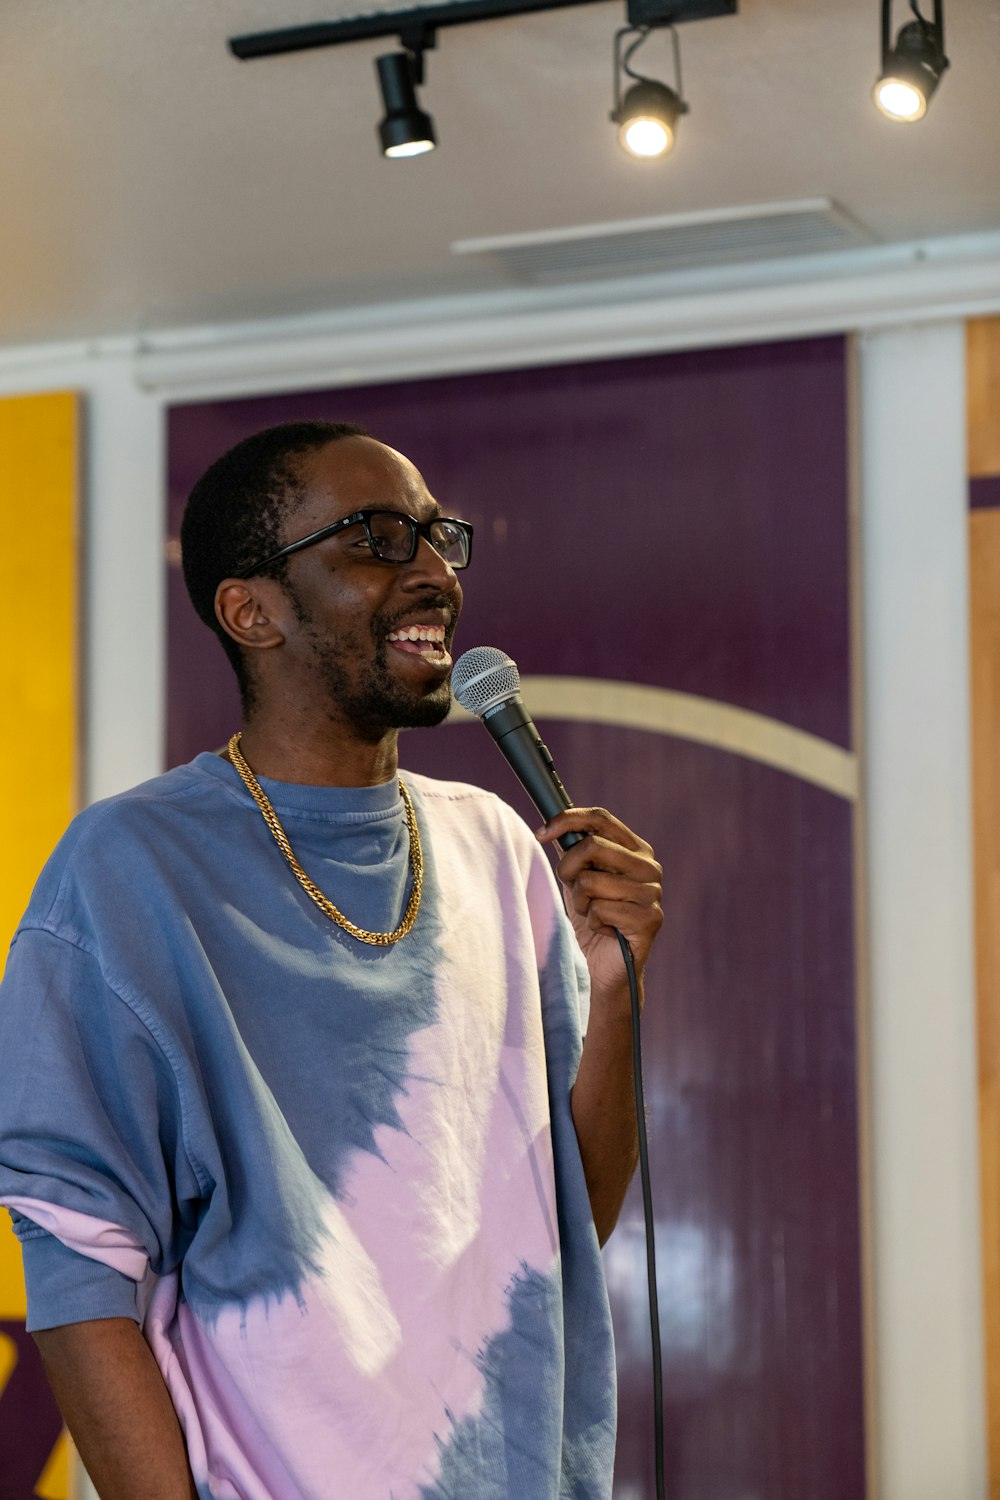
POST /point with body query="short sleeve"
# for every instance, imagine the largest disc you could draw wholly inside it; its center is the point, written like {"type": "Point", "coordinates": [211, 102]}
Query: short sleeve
{"type": "Point", "coordinates": [93, 1164]}
{"type": "Point", "coordinates": [66, 1287]}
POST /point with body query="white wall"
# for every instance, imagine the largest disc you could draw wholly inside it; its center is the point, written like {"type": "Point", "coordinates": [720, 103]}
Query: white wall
{"type": "Point", "coordinates": [926, 1353]}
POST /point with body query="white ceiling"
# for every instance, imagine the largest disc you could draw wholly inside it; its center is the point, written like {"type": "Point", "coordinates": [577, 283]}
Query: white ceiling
{"type": "Point", "coordinates": [148, 180]}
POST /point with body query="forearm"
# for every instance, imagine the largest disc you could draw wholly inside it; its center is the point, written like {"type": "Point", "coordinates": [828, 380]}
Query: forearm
{"type": "Point", "coordinates": [613, 887]}
{"type": "Point", "coordinates": [603, 1105]}
{"type": "Point", "coordinates": [118, 1410]}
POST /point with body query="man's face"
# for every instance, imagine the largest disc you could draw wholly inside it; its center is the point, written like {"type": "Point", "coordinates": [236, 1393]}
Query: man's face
{"type": "Point", "coordinates": [351, 608]}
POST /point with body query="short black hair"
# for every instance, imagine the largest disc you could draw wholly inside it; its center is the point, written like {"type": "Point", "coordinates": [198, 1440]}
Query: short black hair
{"type": "Point", "coordinates": [235, 512]}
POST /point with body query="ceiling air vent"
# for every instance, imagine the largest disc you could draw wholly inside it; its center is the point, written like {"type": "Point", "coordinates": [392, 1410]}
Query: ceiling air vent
{"type": "Point", "coordinates": [673, 242]}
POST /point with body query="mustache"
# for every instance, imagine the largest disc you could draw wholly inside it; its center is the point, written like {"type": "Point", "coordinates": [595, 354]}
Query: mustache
{"type": "Point", "coordinates": [439, 603]}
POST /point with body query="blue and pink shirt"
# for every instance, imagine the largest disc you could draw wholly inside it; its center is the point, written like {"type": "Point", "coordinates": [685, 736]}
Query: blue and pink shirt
{"type": "Point", "coordinates": [337, 1185]}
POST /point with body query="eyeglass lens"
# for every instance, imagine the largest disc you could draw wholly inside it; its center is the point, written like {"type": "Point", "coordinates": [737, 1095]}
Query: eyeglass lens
{"type": "Point", "coordinates": [394, 538]}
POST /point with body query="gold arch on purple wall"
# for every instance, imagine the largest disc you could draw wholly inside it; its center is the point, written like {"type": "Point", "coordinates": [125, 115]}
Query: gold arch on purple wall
{"type": "Point", "coordinates": [633, 705]}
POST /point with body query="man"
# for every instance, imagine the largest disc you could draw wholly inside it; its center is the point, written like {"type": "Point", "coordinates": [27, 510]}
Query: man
{"type": "Point", "coordinates": [298, 1087]}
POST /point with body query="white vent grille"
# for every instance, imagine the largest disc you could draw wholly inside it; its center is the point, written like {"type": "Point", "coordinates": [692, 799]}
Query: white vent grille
{"type": "Point", "coordinates": [674, 242]}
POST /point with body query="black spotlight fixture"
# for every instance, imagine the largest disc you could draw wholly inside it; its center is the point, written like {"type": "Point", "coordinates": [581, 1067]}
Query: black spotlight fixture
{"type": "Point", "coordinates": [912, 69]}
{"type": "Point", "coordinates": [648, 112]}
{"type": "Point", "coordinates": [406, 129]}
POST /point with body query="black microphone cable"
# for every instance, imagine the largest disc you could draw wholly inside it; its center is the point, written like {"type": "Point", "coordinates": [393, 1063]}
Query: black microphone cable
{"type": "Point", "coordinates": [647, 1213]}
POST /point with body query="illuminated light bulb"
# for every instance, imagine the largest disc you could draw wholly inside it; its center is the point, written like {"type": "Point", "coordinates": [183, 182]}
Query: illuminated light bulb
{"type": "Point", "coordinates": [409, 148]}
{"type": "Point", "coordinates": [647, 118]}
{"type": "Point", "coordinates": [900, 100]}
{"type": "Point", "coordinates": [647, 137]}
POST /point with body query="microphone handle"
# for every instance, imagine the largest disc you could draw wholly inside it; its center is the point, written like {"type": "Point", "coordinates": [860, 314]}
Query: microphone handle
{"type": "Point", "coordinates": [522, 746]}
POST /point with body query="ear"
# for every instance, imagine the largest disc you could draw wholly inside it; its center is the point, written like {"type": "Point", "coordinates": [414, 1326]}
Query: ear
{"type": "Point", "coordinates": [246, 610]}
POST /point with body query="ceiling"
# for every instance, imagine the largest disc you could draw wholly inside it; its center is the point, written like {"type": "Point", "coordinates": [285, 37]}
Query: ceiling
{"type": "Point", "coordinates": [150, 181]}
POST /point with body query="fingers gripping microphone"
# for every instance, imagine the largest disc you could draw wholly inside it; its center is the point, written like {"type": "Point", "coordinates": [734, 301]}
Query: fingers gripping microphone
{"type": "Point", "coordinates": [486, 683]}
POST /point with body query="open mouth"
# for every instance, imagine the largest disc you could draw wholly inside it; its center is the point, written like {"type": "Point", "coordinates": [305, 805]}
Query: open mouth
{"type": "Point", "coordinates": [426, 641]}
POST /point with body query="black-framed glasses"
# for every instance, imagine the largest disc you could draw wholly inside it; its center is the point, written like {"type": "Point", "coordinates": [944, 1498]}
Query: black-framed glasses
{"type": "Point", "coordinates": [392, 536]}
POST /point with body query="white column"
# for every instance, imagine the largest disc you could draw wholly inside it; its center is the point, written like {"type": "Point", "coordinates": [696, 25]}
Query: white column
{"type": "Point", "coordinates": [124, 652]}
{"type": "Point", "coordinates": [928, 1319]}
{"type": "Point", "coordinates": [124, 588]}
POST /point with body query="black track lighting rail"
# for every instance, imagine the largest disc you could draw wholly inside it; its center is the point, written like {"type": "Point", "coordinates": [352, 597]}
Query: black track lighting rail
{"type": "Point", "coordinates": [416, 27]}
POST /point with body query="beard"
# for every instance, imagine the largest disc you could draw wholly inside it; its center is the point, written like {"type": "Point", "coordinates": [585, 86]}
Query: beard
{"type": "Point", "coordinates": [373, 699]}
{"type": "Point", "coordinates": [378, 701]}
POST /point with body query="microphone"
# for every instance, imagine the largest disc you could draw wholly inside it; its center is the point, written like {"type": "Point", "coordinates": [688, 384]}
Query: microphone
{"type": "Point", "coordinates": [486, 683]}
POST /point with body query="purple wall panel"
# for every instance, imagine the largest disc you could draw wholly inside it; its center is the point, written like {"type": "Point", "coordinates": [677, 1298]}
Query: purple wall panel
{"type": "Point", "coordinates": [679, 521]}
{"type": "Point", "coordinates": [984, 492]}
{"type": "Point", "coordinates": [676, 520]}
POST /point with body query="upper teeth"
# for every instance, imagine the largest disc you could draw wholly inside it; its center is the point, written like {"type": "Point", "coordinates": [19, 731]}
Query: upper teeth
{"type": "Point", "coordinates": [419, 633]}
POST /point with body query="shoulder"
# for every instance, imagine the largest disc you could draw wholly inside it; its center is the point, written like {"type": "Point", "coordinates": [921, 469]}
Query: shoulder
{"type": "Point", "coordinates": [106, 840]}
{"type": "Point", "coordinates": [459, 802]}
{"type": "Point", "coordinates": [161, 796]}
{"type": "Point", "coordinates": [482, 836]}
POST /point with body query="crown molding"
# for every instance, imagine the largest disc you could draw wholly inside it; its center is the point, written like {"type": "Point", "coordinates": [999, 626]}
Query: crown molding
{"type": "Point", "coordinates": [854, 291]}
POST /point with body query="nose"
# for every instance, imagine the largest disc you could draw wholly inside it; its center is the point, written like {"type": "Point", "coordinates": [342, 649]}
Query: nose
{"type": "Point", "coordinates": [428, 569]}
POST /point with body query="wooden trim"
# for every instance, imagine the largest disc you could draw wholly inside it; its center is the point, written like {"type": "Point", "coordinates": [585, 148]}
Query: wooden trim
{"type": "Point", "coordinates": [983, 384]}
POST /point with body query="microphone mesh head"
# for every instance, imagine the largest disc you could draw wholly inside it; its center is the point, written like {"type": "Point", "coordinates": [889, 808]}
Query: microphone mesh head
{"type": "Point", "coordinates": [484, 677]}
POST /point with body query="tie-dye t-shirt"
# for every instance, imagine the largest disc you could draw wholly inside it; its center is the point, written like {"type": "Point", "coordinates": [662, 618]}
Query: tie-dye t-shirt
{"type": "Point", "coordinates": [338, 1185]}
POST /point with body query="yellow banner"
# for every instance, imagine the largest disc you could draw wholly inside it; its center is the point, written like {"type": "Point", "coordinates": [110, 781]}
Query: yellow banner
{"type": "Point", "coordinates": [39, 468]}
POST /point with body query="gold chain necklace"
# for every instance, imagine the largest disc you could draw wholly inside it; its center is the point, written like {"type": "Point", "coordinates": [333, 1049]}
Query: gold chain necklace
{"type": "Point", "coordinates": [326, 906]}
